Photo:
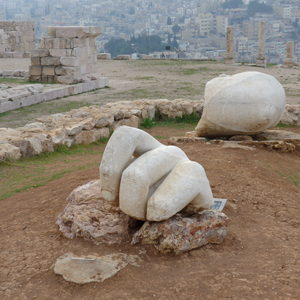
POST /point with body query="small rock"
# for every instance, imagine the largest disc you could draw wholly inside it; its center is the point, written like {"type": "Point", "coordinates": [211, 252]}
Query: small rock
{"type": "Point", "coordinates": [180, 234]}
{"type": "Point", "coordinates": [89, 216]}
{"type": "Point", "coordinates": [91, 268]}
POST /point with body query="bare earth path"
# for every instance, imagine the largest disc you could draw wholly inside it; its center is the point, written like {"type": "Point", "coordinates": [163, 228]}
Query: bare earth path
{"type": "Point", "coordinates": [259, 259]}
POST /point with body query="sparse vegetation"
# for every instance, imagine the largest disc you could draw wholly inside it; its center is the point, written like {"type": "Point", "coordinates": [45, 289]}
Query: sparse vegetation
{"type": "Point", "coordinates": [37, 171]}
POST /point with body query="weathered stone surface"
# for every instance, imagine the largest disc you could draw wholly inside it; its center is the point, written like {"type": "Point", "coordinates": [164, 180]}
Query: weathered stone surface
{"type": "Point", "coordinates": [92, 268]}
{"type": "Point", "coordinates": [16, 38]}
{"type": "Point", "coordinates": [180, 234]}
{"type": "Point", "coordinates": [9, 152]}
{"type": "Point", "coordinates": [89, 216]}
{"type": "Point", "coordinates": [229, 57]}
{"type": "Point", "coordinates": [71, 56]}
{"type": "Point", "coordinates": [282, 146]}
{"type": "Point", "coordinates": [283, 141]}
{"type": "Point", "coordinates": [291, 115]}
{"type": "Point", "coordinates": [245, 103]}
{"type": "Point", "coordinates": [183, 140]}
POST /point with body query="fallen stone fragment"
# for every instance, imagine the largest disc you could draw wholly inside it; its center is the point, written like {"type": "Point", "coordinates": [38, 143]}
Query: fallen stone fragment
{"type": "Point", "coordinates": [92, 268]}
{"type": "Point", "coordinates": [89, 216]}
{"type": "Point", "coordinates": [245, 103]}
{"type": "Point", "coordinates": [236, 145]}
{"type": "Point", "coordinates": [281, 146]}
{"type": "Point", "coordinates": [180, 234]}
{"type": "Point", "coordinates": [280, 135]}
{"type": "Point", "coordinates": [184, 139]}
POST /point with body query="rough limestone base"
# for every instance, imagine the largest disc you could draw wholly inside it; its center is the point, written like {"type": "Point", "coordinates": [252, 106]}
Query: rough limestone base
{"type": "Point", "coordinates": [82, 270]}
{"type": "Point", "coordinates": [89, 216]}
{"type": "Point", "coordinates": [180, 234]}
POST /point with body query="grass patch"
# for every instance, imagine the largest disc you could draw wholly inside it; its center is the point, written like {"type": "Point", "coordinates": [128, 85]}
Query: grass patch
{"type": "Point", "coordinates": [192, 119]}
{"type": "Point", "coordinates": [37, 171]}
{"type": "Point", "coordinates": [9, 80]}
{"type": "Point", "coordinates": [291, 176]}
{"type": "Point", "coordinates": [143, 78]}
{"type": "Point", "coordinates": [160, 137]}
{"type": "Point", "coordinates": [281, 125]}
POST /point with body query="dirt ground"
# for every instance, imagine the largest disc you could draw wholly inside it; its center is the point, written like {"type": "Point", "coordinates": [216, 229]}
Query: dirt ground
{"type": "Point", "coordinates": [259, 259]}
{"type": "Point", "coordinates": [131, 80]}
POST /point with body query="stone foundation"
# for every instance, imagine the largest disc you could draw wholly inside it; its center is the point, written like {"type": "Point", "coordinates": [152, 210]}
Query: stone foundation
{"type": "Point", "coordinates": [66, 55]}
{"type": "Point", "coordinates": [21, 96]}
{"type": "Point", "coordinates": [17, 39]}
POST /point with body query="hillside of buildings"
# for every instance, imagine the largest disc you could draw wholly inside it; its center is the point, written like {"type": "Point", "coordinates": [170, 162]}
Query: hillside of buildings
{"type": "Point", "coordinates": [197, 28]}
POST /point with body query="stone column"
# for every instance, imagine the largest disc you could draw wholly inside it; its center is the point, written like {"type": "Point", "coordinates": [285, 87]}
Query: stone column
{"type": "Point", "coordinates": [289, 61]}
{"type": "Point", "coordinates": [261, 56]}
{"type": "Point", "coordinates": [229, 57]}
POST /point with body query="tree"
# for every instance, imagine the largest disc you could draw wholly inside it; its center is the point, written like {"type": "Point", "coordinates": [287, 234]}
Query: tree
{"type": "Point", "coordinates": [296, 23]}
{"type": "Point", "coordinates": [256, 7]}
{"type": "Point", "coordinates": [232, 4]}
{"type": "Point", "coordinates": [135, 44]}
{"type": "Point", "coordinates": [169, 21]}
{"type": "Point", "coordinates": [176, 29]}
{"type": "Point", "coordinates": [131, 10]}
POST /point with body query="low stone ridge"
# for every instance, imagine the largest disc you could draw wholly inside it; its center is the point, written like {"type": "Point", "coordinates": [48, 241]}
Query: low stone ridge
{"type": "Point", "coordinates": [180, 234]}
{"type": "Point", "coordinates": [50, 94]}
{"type": "Point", "coordinates": [91, 268]}
{"type": "Point", "coordinates": [15, 73]}
{"type": "Point", "coordinates": [86, 125]}
{"type": "Point", "coordinates": [17, 95]}
{"type": "Point", "coordinates": [89, 216]}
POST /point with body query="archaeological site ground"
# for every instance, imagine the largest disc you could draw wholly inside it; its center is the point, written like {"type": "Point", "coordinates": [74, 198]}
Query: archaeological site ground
{"type": "Point", "coordinates": [260, 256]}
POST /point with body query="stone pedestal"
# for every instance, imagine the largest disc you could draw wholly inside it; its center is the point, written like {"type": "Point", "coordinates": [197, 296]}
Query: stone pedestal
{"type": "Point", "coordinates": [289, 60]}
{"type": "Point", "coordinates": [229, 57]}
{"type": "Point", "coordinates": [17, 39]}
{"type": "Point", "coordinates": [261, 56]}
{"type": "Point", "coordinates": [66, 55]}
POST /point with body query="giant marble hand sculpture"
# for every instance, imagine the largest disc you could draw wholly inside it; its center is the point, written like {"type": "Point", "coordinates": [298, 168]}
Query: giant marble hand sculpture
{"type": "Point", "coordinates": [151, 181]}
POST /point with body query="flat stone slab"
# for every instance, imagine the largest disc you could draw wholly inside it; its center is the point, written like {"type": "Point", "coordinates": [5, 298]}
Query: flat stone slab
{"type": "Point", "coordinates": [180, 234]}
{"type": "Point", "coordinates": [92, 268]}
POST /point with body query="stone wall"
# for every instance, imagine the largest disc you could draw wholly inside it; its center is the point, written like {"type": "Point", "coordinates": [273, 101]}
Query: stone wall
{"type": "Point", "coordinates": [88, 124]}
{"type": "Point", "coordinates": [66, 55]}
{"type": "Point", "coordinates": [17, 39]}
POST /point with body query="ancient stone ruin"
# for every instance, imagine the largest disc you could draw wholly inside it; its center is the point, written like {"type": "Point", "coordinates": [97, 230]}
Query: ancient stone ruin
{"type": "Point", "coordinates": [229, 57]}
{"type": "Point", "coordinates": [289, 61]}
{"type": "Point", "coordinates": [17, 39]}
{"type": "Point", "coordinates": [66, 55]}
{"type": "Point", "coordinates": [261, 56]}
{"type": "Point", "coordinates": [245, 103]}
{"type": "Point", "coordinates": [159, 183]}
